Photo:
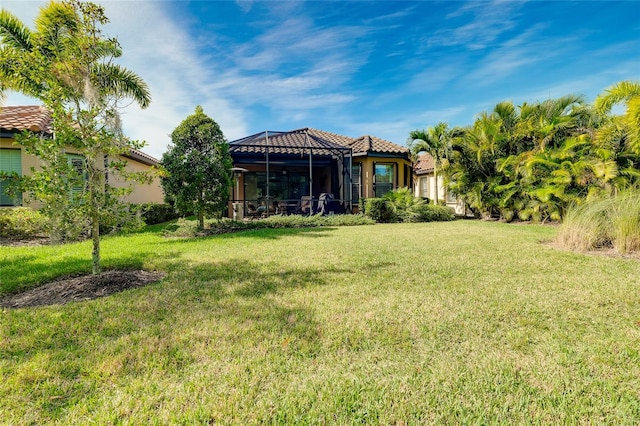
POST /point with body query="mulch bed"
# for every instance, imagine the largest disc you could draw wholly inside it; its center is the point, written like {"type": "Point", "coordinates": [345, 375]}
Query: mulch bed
{"type": "Point", "coordinates": [81, 288]}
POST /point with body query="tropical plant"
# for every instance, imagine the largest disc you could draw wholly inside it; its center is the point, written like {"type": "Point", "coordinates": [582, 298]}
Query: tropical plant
{"type": "Point", "coordinates": [612, 221]}
{"type": "Point", "coordinates": [627, 92]}
{"type": "Point", "coordinates": [436, 141]}
{"type": "Point", "coordinates": [198, 167]}
{"type": "Point", "coordinates": [68, 64]}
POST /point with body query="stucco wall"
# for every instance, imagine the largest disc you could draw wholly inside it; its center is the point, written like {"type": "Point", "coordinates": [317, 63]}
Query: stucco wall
{"type": "Point", "coordinates": [142, 193]}
{"type": "Point", "coordinates": [400, 180]}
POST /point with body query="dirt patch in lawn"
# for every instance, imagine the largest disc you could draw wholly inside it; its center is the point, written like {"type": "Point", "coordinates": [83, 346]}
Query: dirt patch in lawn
{"type": "Point", "coordinates": [85, 287]}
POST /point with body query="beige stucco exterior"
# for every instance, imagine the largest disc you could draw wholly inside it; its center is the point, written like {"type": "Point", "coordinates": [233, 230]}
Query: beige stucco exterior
{"type": "Point", "coordinates": [425, 187]}
{"type": "Point", "coordinates": [142, 193]}
{"type": "Point", "coordinates": [401, 177]}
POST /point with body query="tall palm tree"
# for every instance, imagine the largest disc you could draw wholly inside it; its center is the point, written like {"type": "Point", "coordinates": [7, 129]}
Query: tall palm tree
{"type": "Point", "coordinates": [28, 58]}
{"type": "Point", "coordinates": [436, 141]}
{"type": "Point", "coordinates": [67, 63]}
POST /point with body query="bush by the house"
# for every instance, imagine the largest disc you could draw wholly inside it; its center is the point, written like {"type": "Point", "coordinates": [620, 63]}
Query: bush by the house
{"type": "Point", "coordinates": [22, 222]}
{"type": "Point", "coordinates": [381, 210]}
{"type": "Point", "coordinates": [401, 205]}
{"type": "Point", "coordinates": [189, 228]}
{"type": "Point", "coordinates": [153, 213]}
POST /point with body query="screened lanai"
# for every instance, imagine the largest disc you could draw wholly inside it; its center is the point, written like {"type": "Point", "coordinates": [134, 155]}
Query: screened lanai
{"type": "Point", "coordinates": [299, 171]}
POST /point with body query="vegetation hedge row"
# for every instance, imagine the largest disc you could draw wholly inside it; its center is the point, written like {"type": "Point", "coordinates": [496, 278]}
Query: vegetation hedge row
{"type": "Point", "coordinates": [189, 228]}
{"type": "Point", "coordinates": [401, 205]}
{"type": "Point", "coordinates": [22, 222]}
{"type": "Point", "coordinates": [154, 213]}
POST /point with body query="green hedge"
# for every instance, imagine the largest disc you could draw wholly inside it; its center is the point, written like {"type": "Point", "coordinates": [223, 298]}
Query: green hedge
{"type": "Point", "coordinates": [402, 206]}
{"type": "Point", "coordinates": [153, 213]}
{"type": "Point", "coordinates": [22, 222]}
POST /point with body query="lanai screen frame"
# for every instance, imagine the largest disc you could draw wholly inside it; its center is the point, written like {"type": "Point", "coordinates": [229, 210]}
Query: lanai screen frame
{"type": "Point", "coordinates": [260, 141]}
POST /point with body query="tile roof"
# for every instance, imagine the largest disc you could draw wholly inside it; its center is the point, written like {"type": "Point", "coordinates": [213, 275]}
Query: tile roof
{"type": "Point", "coordinates": [366, 144]}
{"type": "Point", "coordinates": [293, 142]}
{"type": "Point", "coordinates": [322, 142]}
{"type": "Point", "coordinates": [18, 118]}
{"type": "Point", "coordinates": [38, 119]}
{"type": "Point", "coordinates": [424, 165]}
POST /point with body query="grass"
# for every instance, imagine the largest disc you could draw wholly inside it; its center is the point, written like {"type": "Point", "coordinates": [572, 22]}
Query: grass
{"type": "Point", "coordinates": [457, 322]}
{"type": "Point", "coordinates": [608, 222]}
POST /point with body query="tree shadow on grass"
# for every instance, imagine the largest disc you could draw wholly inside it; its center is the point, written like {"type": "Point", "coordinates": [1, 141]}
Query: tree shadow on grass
{"type": "Point", "coordinates": [25, 272]}
{"type": "Point", "coordinates": [261, 234]}
{"type": "Point", "coordinates": [161, 331]}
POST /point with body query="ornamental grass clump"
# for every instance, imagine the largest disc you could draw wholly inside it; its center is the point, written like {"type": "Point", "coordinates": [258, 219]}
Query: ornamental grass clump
{"type": "Point", "coordinates": [612, 222]}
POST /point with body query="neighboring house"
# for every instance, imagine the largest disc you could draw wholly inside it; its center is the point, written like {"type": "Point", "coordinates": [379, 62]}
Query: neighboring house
{"type": "Point", "coordinates": [425, 184]}
{"type": "Point", "coordinates": [287, 172]}
{"type": "Point", "coordinates": [13, 158]}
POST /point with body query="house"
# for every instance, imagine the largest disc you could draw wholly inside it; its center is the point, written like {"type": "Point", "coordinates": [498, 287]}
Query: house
{"type": "Point", "coordinates": [299, 170]}
{"type": "Point", "coordinates": [13, 158]}
{"type": "Point", "coordinates": [425, 184]}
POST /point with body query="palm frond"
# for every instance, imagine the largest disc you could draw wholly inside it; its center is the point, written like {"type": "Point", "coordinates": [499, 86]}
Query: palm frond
{"type": "Point", "coordinates": [115, 80]}
{"type": "Point", "coordinates": [13, 32]}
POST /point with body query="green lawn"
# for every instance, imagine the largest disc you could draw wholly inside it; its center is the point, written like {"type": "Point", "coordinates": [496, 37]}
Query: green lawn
{"type": "Point", "coordinates": [457, 322]}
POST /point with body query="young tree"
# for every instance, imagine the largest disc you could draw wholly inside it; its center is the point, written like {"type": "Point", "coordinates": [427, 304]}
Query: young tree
{"type": "Point", "coordinates": [198, 167]}
{"type": "Point", "coordinates": [68, 64]}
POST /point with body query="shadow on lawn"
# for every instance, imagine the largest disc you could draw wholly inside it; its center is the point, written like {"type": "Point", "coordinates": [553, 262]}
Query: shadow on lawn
{"type": "Point", "coordinates": [206, 310]}
{"type": "Point", "coordinates": [261, 234]}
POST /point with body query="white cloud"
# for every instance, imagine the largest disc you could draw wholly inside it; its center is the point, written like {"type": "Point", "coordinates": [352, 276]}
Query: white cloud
{"type": "Point", "coordinates": [161, 52]}
{"type": "Point", "coordinates": [490, 20]}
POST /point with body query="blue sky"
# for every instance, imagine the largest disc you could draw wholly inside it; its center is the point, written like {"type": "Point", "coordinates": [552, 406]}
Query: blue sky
{"type": "Point", "coordinates": [359, 67]}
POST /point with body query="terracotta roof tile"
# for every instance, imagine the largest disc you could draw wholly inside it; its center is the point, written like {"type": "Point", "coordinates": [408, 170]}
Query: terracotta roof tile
{"type": "Point", "coordinates": [425, 164]}
{"type": "Point", "coordinates": [366, 144]}
{"type": "Point", "coordinates": [38, 119]}
{"type": "Point", "coordinates": [297, 141]}
{"type": "Point", "coordinates": [18, 118]}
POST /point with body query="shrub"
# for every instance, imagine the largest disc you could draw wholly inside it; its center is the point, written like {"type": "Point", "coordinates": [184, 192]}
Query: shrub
{"type": "Point", "coordinates": [22, 222]}
{"type": "Point", "coordinates": [381, 210]}
{"type": "Point", "coordinates": [402, 206]}
{"type": "Point", "coordinates": [433, 213]}
{"type": "Point", "coordinates": [153, 213]}
{"type": "Point", "coordinates": [606, 222]}
{"type": "Point", "coordinates": [189, 228]}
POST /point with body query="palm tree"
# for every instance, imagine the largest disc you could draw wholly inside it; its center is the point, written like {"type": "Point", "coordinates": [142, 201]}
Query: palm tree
{"type": "Point", "coordinates": [627, 92]}
{"type": "Point", "coordinates": [67, 64]}
{"type": "Point", "coordinates": [436, 141]}
{"type": "Point", "coordinates": [28, 59]}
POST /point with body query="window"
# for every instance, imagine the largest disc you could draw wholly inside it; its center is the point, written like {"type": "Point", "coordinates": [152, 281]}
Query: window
{"type": "Point", "coordinates": [383, 179]}
{"type": "Point", "coordinates": [77, 162]}
{"type": "Point", "coordinates": [10, 162]}
{"type": "Point", "coordinates": [356, 182]}
{"type": "Point", "coordinates": [450, 197]}
{"type": "Point", "coordinates": [423, 190]}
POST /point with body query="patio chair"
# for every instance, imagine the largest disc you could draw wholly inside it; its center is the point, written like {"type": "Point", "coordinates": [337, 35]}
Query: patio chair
{"type": "Point", "coordinates": [252, 211]}
{"type": "Point", "coordinates": [304, 206]}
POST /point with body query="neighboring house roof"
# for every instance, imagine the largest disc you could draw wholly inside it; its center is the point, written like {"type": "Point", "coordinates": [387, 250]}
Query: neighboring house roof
{"type": "Point", "coordinates": [424, 165]}
{"type": "Point", "coordinates": [299, 141]}
{"type": "Point", "coordinates": [36, 118]}
{"type": "Point", "coordinates": [371, 144]}
{"type": "Point", "coordinates": [18, 118]}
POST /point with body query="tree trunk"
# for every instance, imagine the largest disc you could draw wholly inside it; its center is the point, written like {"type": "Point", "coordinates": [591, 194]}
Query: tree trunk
{"type": "Point", "coordinates": [95, 236]}
{"type": "Point", "coordinates": [435, 175]}
{"type": "Point", "coordinates": [201, 219]}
